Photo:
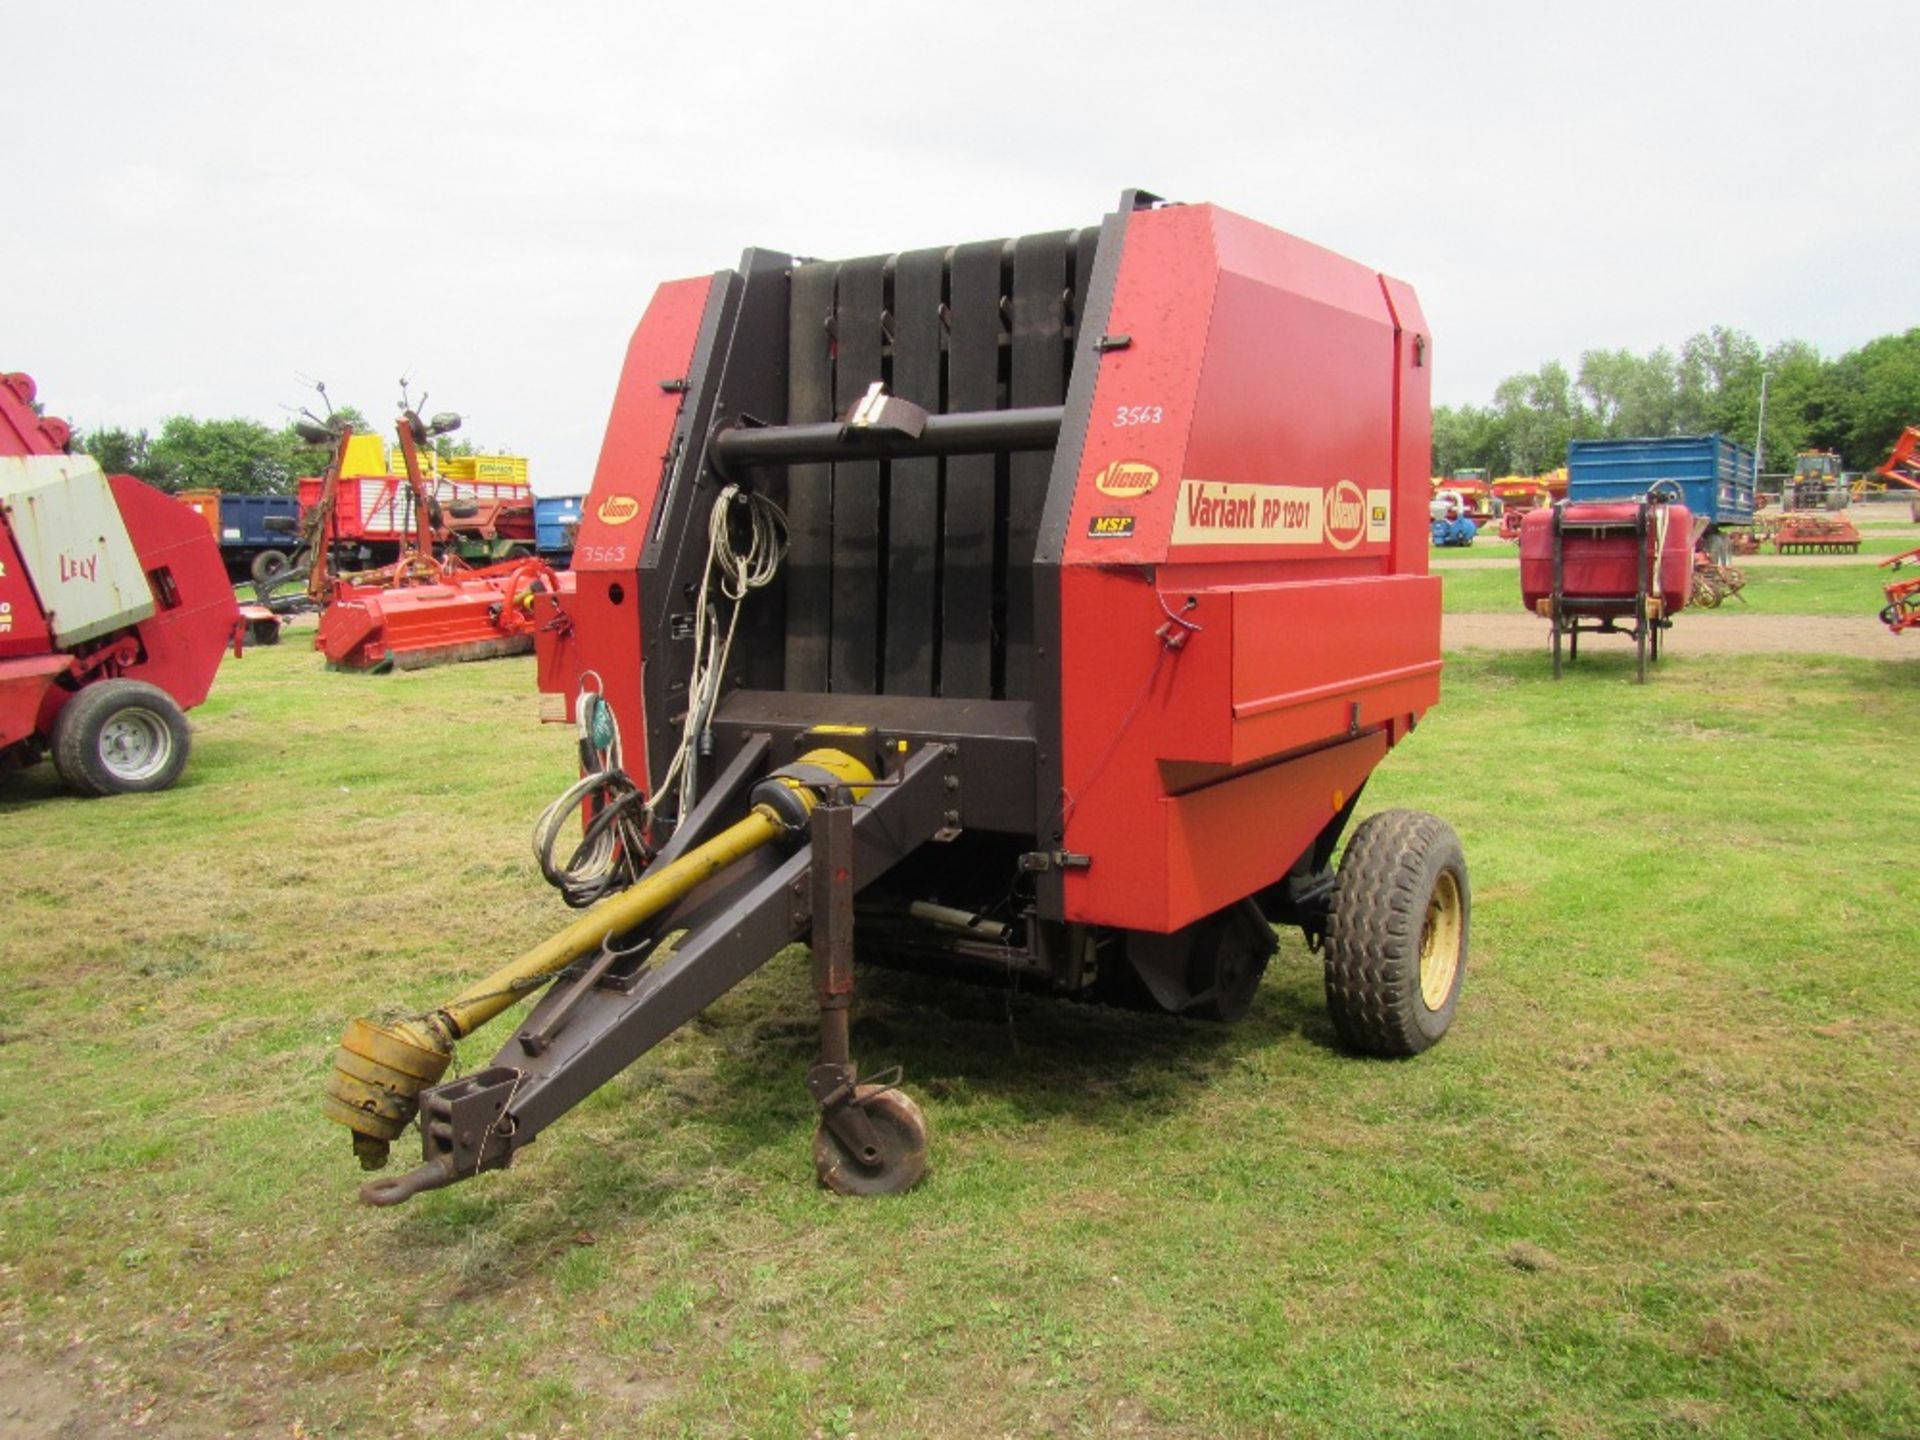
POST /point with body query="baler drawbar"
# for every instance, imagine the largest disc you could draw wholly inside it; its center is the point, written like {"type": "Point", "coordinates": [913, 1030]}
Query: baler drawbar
{"type": "Point", "coordinates": [1033, 610]}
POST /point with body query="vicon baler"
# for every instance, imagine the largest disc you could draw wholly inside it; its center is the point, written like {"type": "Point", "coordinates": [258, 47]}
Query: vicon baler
{"type": "Point", "coordinates": [114, 611]}
{"type": "Point", "coordinates": [1031, 608]}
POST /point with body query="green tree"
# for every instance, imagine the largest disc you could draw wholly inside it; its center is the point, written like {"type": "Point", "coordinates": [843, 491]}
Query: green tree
{"type": "Point", "coordinates": [1539, 413]}
{"type": "Point", "coordinates": [121, 452]}
{"type": "Point", "coordinates": [1626, 394]}
{"type": "Point", "coordinates": [1873, 394]}
{"type": "Point", "coordinates": [239, 456]}
{"type": "Point", "coordinates": [1467, 437]}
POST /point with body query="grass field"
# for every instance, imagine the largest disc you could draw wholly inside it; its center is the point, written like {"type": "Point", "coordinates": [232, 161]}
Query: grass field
{"type": "Point", "coordinates": [1660, 1181]}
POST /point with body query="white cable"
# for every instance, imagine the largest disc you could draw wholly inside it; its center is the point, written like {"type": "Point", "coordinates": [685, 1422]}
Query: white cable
{"type": "Point", "coordinates": [712, 647]}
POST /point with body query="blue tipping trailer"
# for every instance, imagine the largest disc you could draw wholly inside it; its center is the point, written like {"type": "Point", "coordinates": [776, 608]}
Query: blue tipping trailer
{"type": "Point", "coordinates": [243, 520]}
{"type": "Point", "coordinates": [249, 526]}
{"type": "Point", "coordinates": [1713, 475]}
{"type": "Point", "coordinates": [556, 520]}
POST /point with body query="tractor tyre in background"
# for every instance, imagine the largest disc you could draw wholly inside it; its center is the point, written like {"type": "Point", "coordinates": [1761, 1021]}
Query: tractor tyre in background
{"type": "Point", "coordinates": [1396, 942]}
{"type": "Point", "coordinates": [269, 566]}
{"type": "Point", "coordinates": [120, 737]}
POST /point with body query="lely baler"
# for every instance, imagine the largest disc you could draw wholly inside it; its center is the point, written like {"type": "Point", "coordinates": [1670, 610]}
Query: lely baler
{"type": "Point", "coordinates": [1035, 608]}
{"type": "Point", "coordinates": [115, 611]}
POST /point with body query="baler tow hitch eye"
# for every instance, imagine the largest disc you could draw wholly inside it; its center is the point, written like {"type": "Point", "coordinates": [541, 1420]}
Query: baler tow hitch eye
{"type": "Point", "coordinates": [381, 1070]}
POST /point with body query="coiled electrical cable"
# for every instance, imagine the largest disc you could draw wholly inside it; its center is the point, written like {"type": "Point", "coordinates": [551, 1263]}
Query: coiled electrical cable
{"type": "Point", "coordinates": [613, 842]}
{"type": "Point", "coordinates": [613, 847]}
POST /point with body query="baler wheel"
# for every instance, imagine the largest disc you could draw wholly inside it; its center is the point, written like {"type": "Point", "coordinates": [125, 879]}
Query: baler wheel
{"type": "Point", "coordinates": [1229, 958]}
{"type": "Point", "coordinates": [902, 1132]}
{"type": "Point", "coordinates": [120, 737]}
{"type": "Point", "coordinates": [1396, 944]}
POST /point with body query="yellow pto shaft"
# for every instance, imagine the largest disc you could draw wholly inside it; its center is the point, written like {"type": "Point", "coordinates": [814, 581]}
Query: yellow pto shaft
{"type": "Point", "coordinates": [380, 1070]}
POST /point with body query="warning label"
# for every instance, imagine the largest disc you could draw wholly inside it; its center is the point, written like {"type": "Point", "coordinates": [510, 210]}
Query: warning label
{"type": "Point", "coordinates": [1226, 512]}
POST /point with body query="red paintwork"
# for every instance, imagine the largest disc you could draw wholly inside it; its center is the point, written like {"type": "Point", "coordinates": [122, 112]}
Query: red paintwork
{"type": "Point", "coordinates": [178, 648]}
{"type": "Point", "coordinates": [604, 641]}
{"type": "Point", "coordinates": [359, 515]}
{"type": "Point", "coordinates": [1277, 363]}
{"type": "Point", "coordinates": [1902, 467]}
{"type": "Point", "coordinates": [1605, 566]}
{"type": "Point", "coordinates": [22, 432]}
{"type": "Point", "coordinates": [469, 615]}
{"type": "Point", "coordinates": [1197, 763]}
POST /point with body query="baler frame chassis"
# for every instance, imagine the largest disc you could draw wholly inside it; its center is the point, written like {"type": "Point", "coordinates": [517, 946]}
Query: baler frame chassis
{"type": "Point", "coordinates": [601, 1015]}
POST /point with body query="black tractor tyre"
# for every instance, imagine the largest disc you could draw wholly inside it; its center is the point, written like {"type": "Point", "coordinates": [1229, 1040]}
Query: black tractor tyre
{"type": "Point", "coordinates": [120, 737]}
{"type": "Point", "coordinates": [269, 566]}
{"type": "Point", "coordinates": [1396, 943]}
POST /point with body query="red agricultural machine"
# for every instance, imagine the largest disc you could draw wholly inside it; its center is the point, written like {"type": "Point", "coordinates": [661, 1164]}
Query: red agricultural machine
{"type": "Point", "coordinates": [115, 610]}
{"type": "Point", "coordinates": [426, 607]}
{"type": "Point", "coordinates": [1902, 466]}
{"type": "Point", "coordinates": [1034, 608]}
{"type": "Point", "coordinates": [1608, 567]}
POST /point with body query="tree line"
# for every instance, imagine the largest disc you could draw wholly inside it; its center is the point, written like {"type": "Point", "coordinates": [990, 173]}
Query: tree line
{"type": "Point", "coordinates": [236, 456]}
{"type": "Point", "coordinates": [1855, 405]}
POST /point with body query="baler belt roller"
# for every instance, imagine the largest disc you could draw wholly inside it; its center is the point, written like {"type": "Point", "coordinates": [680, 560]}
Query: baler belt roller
{"type": "Point", "coordinates": [979, 432]}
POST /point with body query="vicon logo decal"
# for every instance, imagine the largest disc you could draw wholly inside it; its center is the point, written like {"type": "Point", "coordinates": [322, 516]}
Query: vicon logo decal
{"type": "Point", "coordinates": [1126, 479]}
{"type": "Point", "coordinates": [1346, 515]}
{"type": "Point", "coordinates": [617, 509]}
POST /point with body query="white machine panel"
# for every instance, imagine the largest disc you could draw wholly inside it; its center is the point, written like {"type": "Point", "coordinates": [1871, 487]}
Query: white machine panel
{"type": "Point", "coordinates": [74, 544]}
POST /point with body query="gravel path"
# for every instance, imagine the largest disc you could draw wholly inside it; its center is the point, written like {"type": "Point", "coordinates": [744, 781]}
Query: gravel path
{"type": "Point", "coordinates": [1702, 635]}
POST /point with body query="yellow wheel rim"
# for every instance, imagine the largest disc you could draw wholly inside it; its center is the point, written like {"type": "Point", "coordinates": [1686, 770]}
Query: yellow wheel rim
{"type": "Point", "coordinates": [1440, 942]}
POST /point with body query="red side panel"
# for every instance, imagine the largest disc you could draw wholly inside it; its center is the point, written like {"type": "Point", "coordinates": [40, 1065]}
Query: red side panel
{"type": "Point", "coordinates": [617, 516]}
{"type": "Point", "coordinates": [23, 627]}
{"type": "Point", "coordinates": [195, 613]}
{"type": "Point", "coordinates": [1247, 622]}
{"type": "Point", "coordinates": [26, 685]}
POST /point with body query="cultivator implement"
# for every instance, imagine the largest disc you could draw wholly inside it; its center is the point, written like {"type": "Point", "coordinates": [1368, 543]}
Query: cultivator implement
{"type": "Point", "coordinates": [1902, 610]}
{"type": "Point", "coordinates": [1800, 533]}
{"type": "Point", "coordinates": [1033, 609]}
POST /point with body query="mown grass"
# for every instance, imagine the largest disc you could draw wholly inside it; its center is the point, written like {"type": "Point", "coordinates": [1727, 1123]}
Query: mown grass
{"type": "Point", "coordinates": [1661, 1180]}
{"type": "Point", "coordinates": [1849, 590]}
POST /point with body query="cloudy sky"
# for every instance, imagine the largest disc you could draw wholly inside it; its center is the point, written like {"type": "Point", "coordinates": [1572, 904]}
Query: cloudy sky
{"type": "Point", "coordinates": [205, 202]}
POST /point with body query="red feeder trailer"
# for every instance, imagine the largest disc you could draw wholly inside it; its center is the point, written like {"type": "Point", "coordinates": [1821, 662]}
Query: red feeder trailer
{"type": "Point", "coordinates": [1607, 567]}
{"type": "Point", "coordinates": [115, 609]}
{"type": "Point", "coordinates": [1036, 608]}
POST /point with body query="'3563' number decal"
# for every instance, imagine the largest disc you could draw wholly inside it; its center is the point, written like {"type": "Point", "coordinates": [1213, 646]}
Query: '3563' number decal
{"type": "Point", "coordinates": [1125, 415]}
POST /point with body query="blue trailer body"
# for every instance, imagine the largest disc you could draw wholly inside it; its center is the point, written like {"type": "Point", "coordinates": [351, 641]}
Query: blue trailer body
{"type": "Point", "coordinates": [556, 520]}
{"type": "Point", "coordinates": [1714, 475]}
{"type": "Point", "coordinates": [243, 522]}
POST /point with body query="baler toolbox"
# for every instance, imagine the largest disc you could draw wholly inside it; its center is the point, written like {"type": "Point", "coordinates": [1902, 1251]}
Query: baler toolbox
{"type": "Point", "coordinates": [1032, 608]}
